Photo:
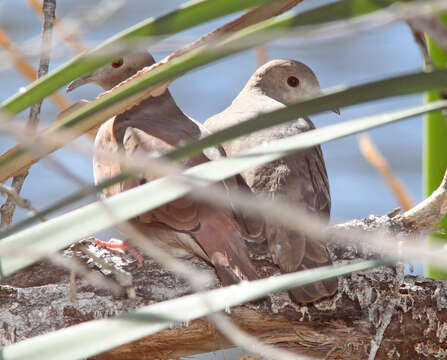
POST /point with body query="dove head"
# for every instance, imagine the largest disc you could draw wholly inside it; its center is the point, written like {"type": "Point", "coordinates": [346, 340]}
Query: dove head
{"type": "Point", "coordinates": [286, 81]}
{"type": "Point", "coordinates": [112, 74]}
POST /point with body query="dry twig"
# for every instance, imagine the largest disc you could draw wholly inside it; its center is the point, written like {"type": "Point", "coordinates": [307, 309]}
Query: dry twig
{"type": "Point", "coordinates": [24, 68]}
{"type": "Point", "coordinates": [372, 154]}
{"type": "Point", "coordinates": [19, 201]}
{"type": "Point", "coordinates": [261, 55]}
{"type": "Point", "coordinates": [49, 8]}
{"type": "Point", "coordinates": [70, 37]}
{"type": "Point", "coordinates": [251, 17]}
{"type": "Point", "coordinates": [419, 38]}
{"type": "Point", "coordinates": [322, 33]}
{"type": "Point", "coordinates": [431, 25]}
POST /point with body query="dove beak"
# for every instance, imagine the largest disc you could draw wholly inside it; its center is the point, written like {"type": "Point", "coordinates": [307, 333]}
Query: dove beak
{"type": "Point", "coordinates": [79, 82]}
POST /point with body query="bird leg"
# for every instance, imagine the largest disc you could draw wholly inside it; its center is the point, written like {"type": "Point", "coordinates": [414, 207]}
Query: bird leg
{"type": "Point", "coordinates": [122, 246]}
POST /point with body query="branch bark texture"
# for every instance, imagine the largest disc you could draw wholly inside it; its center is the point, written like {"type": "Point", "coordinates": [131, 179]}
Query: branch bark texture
{"type": "Point", "coordinates": [409, 314]}
{"type": "Point", "coordinates": [375, 315]}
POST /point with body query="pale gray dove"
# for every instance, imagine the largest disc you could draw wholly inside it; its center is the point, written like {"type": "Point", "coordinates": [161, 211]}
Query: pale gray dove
{"type": "Point", "coordinates": [158, 125]}
{"type": "Point", "coordinates": [299, 178]}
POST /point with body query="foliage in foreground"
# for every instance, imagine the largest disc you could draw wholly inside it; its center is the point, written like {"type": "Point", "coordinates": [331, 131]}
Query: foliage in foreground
{"type": "Point", "coordinates": [68, 228]}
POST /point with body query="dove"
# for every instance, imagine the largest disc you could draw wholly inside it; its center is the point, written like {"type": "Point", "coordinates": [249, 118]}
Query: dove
{"type": "Point", "coordinates": [158, 125]}
{"type": "Point", "coordinates": [300, 178]}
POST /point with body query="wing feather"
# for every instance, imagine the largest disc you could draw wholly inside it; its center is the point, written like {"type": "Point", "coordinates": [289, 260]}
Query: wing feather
{"type": "Point", "coordinates": [205, 231]}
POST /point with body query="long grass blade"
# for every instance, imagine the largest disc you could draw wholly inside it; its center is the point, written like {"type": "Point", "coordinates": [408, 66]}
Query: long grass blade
{"type": "Point", "coordinates": [400, 85]}
{"type": "Point", "coordinates": [94, 337]}
{"type": "Point", "coordinates": [136, 89]}
{"type": "Point", "coordinates": [435, 153]}
{"type": "Point", "coordinates": [187, 16]}
{"type": "Point", "coordinates": [62, 231]}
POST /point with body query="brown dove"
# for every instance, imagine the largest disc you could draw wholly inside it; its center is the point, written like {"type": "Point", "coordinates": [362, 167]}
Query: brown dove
{"type": "Point", "coordinates": [158, 125]}
{"type": "Point", "coordinates": [301, 178]}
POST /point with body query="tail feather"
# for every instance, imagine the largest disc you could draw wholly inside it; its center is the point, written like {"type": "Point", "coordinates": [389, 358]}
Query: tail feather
{"type": "Point", "coordinates": [313, 292]}
{"type": "Point", "coordinates": [300, 296]}
{"type": "Point", "coordinates": [316, 291]}
{"type": "Point", "coordinates": [220, 238]}
{"type": "Point", "coordinates": [231, 268]}
{"type": "Point", "coordinates": [293, 252]}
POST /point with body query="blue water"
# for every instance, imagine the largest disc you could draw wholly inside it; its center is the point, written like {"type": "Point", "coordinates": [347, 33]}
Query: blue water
{"type": "Point", "coordinates": [357, 189]}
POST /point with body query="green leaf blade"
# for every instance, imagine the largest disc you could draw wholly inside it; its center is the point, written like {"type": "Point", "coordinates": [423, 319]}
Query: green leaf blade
{"type": "Point", "coordinates": [91, 338]}
{"type": "Point", "coordinates": [435, 154]}
{"type": "Point", "coordinates": [62, 231]}
{"type": "Point", "coordinates": [183, 18]}
{"type": "Point", "coordinates": [244, 39]}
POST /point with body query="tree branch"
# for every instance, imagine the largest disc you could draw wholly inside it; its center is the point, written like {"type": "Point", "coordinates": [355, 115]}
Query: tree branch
{"type": "Point", "coordinates": [431, 25]}
{"type": "Point", "coordinates": [358, 316]}
{"type": "Point", "coordinates": [429, 212]}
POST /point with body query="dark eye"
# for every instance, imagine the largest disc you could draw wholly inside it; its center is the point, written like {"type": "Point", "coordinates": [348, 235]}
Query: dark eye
{"type": "Point", "coordinates": [118, 63]}
{"type": "Point", "coordinates": [293, 81]}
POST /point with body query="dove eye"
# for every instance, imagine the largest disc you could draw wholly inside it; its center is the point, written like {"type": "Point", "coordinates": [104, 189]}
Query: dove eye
{"type": "Point", "coordinates": [293, 81]}
{"type": "Point", "coordinates": [118, 63]}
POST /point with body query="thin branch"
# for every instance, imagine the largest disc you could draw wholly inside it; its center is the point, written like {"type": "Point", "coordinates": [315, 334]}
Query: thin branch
{"type": "Point", "coordinates": [261, 54]}
{"type": "Point", "coordinates": [69, 263]}
{"type": "Point", "coordinates": [429, 212]}
{"type": "Point", "coordinates": [419, 38]}
{"type": "Point", "coordinates": [19, 201]}
{"type": "Point", "coordinates": [38, 145]}
{"type": "Point", "coordinates": [339, 28]}
{"type": "Point", "coordinates": [69, 37]}
{"type": "Point", "coordinates": [251, 17]}
{"type": "Point", "coordinates": [49, 9]}
{"type": "Point", "coordinates": [372, 154]}
{"type": "Point", "coordinates": [49, 12]}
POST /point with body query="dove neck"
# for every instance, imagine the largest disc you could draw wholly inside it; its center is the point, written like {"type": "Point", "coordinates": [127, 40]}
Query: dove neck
{"type": "Point", "coordinates": [159, 116]}
{"type": "Point", "coordinates": [253, 87]}
{"type": "Point", "coordinates": [256, 90]}
{"type": "Point", "coordinates": [254, 97]}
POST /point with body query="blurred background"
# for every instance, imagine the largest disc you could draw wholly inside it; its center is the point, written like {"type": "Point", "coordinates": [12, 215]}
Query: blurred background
{"type": "Point", "coordinates": [357, 189]}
